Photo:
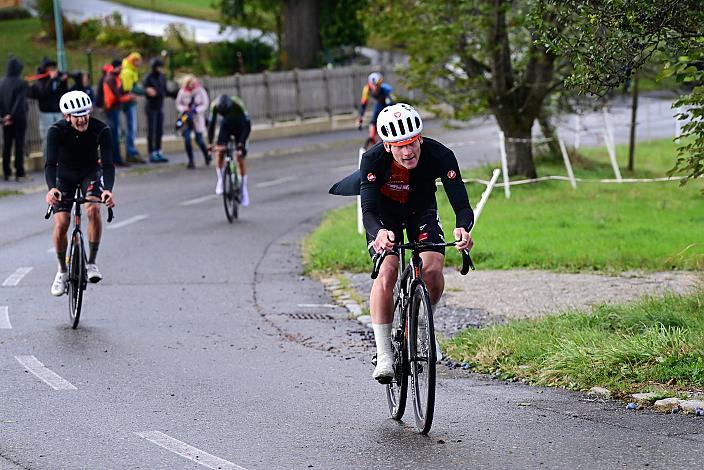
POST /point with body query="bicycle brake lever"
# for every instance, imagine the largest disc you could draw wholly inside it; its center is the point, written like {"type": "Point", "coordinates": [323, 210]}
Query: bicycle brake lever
{"type": "Point", "coordinates": [110, 214]}
{"type": "Point", "coordinates": [49, 210]}
{"type": "Point", "coordinates": [467, 262]}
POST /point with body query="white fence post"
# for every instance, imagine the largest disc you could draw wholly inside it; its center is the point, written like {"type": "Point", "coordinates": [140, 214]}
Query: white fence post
{"type": "Point", "coordinates": [566, 158]}
{"type": "Point", "coordinates": [360, 224]}
{"type": "Point", "coordinates": [485, 196]}
{"type": "Point", "coordinates": [611, 145]}
{"type": "Point", "coordinates": [504, 163]}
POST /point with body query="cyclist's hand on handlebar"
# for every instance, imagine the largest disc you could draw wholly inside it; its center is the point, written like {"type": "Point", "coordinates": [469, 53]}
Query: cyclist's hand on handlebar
{"type": "Point", "coordinates": [107, 198]}
{"type": "Point", "coordinates": [463, 239]}
{"type": "Point", "coordinates": [53, 197]}
{"type": "Point", "coordinates": [384, 241]}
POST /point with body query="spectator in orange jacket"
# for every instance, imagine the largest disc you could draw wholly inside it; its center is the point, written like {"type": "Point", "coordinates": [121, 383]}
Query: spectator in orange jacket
{"type": "Point", "coordinates": [113, 97]}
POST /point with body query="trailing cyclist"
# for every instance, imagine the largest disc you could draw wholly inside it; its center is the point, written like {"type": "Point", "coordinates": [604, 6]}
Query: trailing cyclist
{"type": "Point", "coordinates": [381, 92]}
{"type": "Point", "coordinates": [234, 123]}
{"type": "Point", "coordinates": [79, 153]}
{"type": "Point", "coordinates": [398, 191]}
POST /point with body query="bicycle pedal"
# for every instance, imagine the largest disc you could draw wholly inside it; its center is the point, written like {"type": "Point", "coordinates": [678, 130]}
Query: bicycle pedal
{"type": "Point", "coordinates": [374, 360]}
{"type": "Point", "coordinates": [385, 380]}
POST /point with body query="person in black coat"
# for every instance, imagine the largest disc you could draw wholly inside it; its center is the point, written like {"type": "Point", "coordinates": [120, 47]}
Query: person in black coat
{"type": "Point", "coordinates": [13, 112]}
{"type": "Point", "coordinates": [155, 91]}
{"type": "Point", "coordinates": [48, 90]}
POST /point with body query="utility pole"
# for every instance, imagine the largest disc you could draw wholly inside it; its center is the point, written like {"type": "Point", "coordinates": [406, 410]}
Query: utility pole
{"type": "Point", "coordinates": [634, 112]}
{"type": "Point", "coordinates": [60, 54]}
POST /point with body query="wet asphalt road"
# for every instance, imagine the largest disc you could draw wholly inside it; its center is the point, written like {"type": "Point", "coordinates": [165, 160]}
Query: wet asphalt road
{"type": "Point", "coordinates": [191, 341]}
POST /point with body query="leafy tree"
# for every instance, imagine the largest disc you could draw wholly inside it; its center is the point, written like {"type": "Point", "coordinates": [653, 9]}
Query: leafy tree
{"type": "Point", "coordinates": [476, 55]}
{"type": "Point", "coordinates": [611, 39]}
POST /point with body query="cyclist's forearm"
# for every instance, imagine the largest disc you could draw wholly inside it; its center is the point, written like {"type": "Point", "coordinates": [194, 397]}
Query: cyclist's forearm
{"type": "Point", "coordinates": [52, 157]}
{"type": "Point", "coordinates": [105, 144]}
{"type": "Point", "coordinates": [464, 218]}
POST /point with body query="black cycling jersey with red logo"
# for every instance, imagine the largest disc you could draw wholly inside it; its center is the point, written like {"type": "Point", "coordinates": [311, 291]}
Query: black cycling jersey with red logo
{"type": "Point", "coordinates": [392, 193]}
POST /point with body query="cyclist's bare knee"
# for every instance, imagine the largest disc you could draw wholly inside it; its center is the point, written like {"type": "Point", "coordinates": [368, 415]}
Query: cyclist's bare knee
{"type": "Point", "coordinates": [93, 210]}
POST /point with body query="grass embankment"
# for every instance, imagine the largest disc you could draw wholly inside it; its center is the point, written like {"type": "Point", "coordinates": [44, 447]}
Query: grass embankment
{"type": "Point", "coordinates": [19, 38]}
{"type": "Point", "coordinates": [200, 9]}
{"type": "Point", "coordinates": [651, 345]}
{"type": "Point", "coordinates": [598, 227]}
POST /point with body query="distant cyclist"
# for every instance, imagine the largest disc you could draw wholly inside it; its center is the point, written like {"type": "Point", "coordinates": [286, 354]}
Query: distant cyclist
{"type": "Point", "coordinates": [79, 153]}
{"type": "Point", "coordinates": [235, 122]}
{"type": "Point", "coordinates": [398, 191]}
{"type": "Point", "coordinates": [381, 92]}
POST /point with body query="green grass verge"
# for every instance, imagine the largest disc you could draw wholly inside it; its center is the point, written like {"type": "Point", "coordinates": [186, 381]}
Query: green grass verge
{"type": "Point", "coordinates": [598, 227]}
{"type": "Point", "coordinates": [653, 344]}
{"type": "Point", "coordinates": [4, 193]}
{"type": "Point", "coordinates": [19, 38]}
{"type": "Point", "coordinates": [200, 9]}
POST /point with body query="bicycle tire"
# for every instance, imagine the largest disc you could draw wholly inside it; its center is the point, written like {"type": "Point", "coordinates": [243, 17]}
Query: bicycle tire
{"type": "Point", "coordinates": [76, 280]}
{"type": "Point", "coordinates": [397, 390]}
{"type": "Point", "coordinates": [229, 193]}
{"type": "Point", "coordinates": [422, 357]}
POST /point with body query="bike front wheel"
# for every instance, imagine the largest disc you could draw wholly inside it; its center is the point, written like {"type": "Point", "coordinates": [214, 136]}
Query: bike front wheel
{"type": "Point", "coordinates": [397, 390]}
{"type": "Point", "coordinates": [230, 193]}
{"type": "Point", "coordinates": [76, 280]}
{"type": "Point", "coordinates": [422, 356]}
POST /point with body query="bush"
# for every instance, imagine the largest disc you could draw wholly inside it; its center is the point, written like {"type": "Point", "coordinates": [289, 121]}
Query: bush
{"type": "Point", "coordinates": [241, 56]}
{"type": "Point", "coordinates": [14, 13]}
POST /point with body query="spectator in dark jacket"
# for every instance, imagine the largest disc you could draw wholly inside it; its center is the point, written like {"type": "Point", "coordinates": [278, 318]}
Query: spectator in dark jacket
{"type": "Point", "coordinates": [113, 97]}
{"type": "Point", "coordinates": [155, 91]}
{"type": "Point", "coordinates": [13, 112]}
{"type": "Point", "coordinates": [48, 90]}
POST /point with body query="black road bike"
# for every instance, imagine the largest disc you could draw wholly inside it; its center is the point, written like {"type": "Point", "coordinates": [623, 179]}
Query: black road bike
{"type": "Point", "coordinates": [77, 275]}
{"type": "Point", "coordinates": [232, 189]}
{"type": "Point", "coordinates": [413, 335]}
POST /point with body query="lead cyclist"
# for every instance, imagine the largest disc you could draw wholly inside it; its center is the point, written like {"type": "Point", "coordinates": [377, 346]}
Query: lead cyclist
{"type": "Point", "coordinates": [398, 189]}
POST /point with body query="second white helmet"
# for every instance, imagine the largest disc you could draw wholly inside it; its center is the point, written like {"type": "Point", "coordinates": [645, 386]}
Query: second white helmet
{"type": "Point", "coordinates": [75, 103]}
{"type": "Point", "coordinates": [399, 124]}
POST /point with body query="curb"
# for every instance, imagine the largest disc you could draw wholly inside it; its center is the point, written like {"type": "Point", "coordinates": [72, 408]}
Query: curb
{"type": "Point", "coordinates": [341, 296]}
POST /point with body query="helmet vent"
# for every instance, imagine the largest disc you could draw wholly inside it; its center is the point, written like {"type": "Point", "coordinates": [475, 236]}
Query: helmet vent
{"type": "Point", "coordinates": [392, 129]}
{"type": "Point", "coordinates": [400, 126]}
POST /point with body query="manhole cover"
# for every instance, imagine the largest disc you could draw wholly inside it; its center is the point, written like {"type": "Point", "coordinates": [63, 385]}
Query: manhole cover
{"type": "Point", "coordinates": [311, 316]}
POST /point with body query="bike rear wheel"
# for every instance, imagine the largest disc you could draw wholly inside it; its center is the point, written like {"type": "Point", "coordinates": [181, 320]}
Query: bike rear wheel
{"type": "Point", "coordinates": [76, 280]}
{"type": "Point", "coordinates": [422, 356]}
{"type": "Point", "coordinates": [397, 390]}
{"type": "Point", "coordinates": [230, 193]}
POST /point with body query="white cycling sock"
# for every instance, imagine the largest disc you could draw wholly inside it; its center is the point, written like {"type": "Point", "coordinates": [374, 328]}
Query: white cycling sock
{"type": "Point", "coordinates": [244, 181]}
{"type": "Point", "coordinates": [382, 337]}
{"type": "Point", "coordinates": [219, 172]}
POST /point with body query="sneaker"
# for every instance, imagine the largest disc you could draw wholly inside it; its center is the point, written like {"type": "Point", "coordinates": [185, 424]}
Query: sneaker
{"type": "Point", "coordinates": [94, 275]}
{"type": "Point", "coordinates": [58, 288]}
{"type": "Point", "coordinates": [191, 166]}
{"type": "Point", "coordinates": [384, 370]}
{"type": "Point", "coordinates": [161, 156]}
{"type": "Point", "coordinates": [135, 159]}
{"type": "Point", "coordinates": [218, 187]}
{"type": "Point", "coordinates": [156, 158]}
{"type": "Point", "coordinates": [245, 196]}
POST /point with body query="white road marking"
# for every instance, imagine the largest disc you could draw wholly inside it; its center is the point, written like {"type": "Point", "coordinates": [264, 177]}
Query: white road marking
{"type": "Point", "coordinates": [55, 381]}
{"type": "Point", "coordinates": [5, 318]}
{"type": "Point", "coordinates": [198, 200]}
{"type": "Point", "coordinates": [189, 452]}
{"type": "Point", "coordinates": [340, 169]}
{"type": "Point", "coordinates": [16, 277]}
{"type": "Point", "coordinates": [129, 221]}
{"type": "Point", "coordinates": [316, 306]}
{"type": "Point", "coordinates": [283, 180]}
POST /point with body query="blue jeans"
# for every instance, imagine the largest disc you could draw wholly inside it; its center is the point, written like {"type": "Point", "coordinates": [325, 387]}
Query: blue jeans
{"type": "Point", "coordinates": [199, 141]}
{"type": "Point", "coordinates": [113, 118]}
{"type": "Point", "coordinates": [130, 110]}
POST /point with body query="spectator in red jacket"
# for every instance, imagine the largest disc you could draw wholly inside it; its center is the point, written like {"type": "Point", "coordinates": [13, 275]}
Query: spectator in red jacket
{"type": "Point", "coordinates": [113, 97]}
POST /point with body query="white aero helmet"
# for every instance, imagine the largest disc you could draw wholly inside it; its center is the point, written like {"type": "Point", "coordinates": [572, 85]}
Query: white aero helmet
{"type": "Point", "coordinates": [375, 78]}
{"type": "Point", "coordinates": [399, 124]}
{"type": "Point", "coordinates": [75, 103]}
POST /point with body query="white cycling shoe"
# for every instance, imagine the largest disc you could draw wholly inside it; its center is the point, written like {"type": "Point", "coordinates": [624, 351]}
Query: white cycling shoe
{"type": "Point", "coordinates": [245, 196]}
{"type": "Point", "coordinates": [218, 187]}
{"type": "Point", "coordinates": [384, 370]}
{"type": "Point", "coordinates": [58, 288]}
{"type": "Point", "coordinates": [94, 275]}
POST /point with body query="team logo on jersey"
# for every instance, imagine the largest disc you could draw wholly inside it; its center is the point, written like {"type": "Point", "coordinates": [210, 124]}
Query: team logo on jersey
{"type": "Point", "coordinates": [371, 177]}
{"type": "Point", "coordinates": [451, 174]}
{"type": "Point", "coordinates": [397, 114]}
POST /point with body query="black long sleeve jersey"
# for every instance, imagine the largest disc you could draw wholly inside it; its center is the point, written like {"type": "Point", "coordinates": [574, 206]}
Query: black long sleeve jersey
{"type": "Point", "coordinates": [80, 153]}
{"type": "Point", "coordinates": [389, 191]}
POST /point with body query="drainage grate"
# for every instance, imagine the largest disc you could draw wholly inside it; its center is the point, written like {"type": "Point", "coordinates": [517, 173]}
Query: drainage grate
{"type": "Point", "coordinates": [311, 316]}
